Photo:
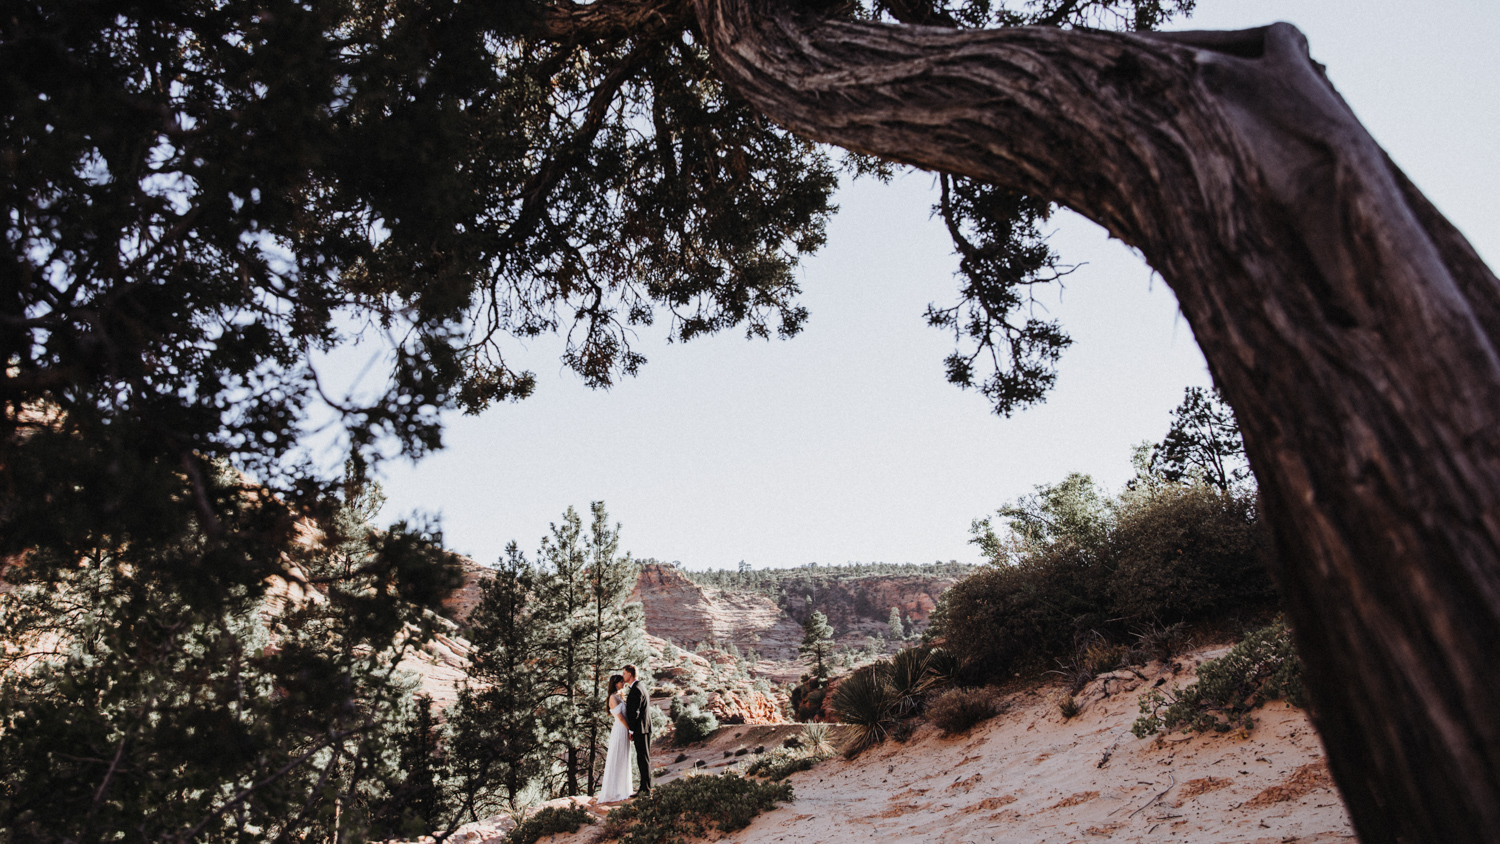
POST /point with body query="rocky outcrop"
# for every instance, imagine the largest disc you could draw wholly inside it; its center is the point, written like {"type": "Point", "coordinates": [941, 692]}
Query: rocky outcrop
{"type": "Point", "coordinates": [685, 613]}
{"type": "Point", "coordinates": [458, 605]}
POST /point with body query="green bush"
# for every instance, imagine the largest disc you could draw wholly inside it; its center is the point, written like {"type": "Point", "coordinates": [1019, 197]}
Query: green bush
{"type": "Point", "coordinates": [1171, 554]}
{"type": "Point", "coordinates": [693, 725]}
{"type": "Point", "coordinates": [1009, 618]}
{"type": "Point", "coordinates": [549, 821]}
{"type": "Point", "coordinates": [960, 710]}
{"type": "Point", "coordinates": [1263, 667]}
{"type": "Point", "coordinates": [776, 765]}
{"type": "Point", "coordinates": [865, 702]}
{"type": "Point", "coordinates": [693, 806]}
{"type": "Point", "coordinates": [1187, 553]}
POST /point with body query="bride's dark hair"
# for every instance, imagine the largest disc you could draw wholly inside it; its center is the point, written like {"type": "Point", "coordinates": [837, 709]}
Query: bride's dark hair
{"type": "Point", "coordinates": [615, 682]}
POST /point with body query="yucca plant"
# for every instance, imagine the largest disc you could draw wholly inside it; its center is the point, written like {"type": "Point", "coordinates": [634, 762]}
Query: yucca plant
{"type": "Point", "coordinates": [864, 701]}
{"type": "Point", "coordinates": [910, 680]}
{"type": "Point", "coordinates": [817, 739]}
{"type": "Point", "coordinates": [943, 666]}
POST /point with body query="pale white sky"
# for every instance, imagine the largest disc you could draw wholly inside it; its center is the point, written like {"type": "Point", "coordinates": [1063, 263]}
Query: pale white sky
{"type": "Point", "coordinates": [846, 443]}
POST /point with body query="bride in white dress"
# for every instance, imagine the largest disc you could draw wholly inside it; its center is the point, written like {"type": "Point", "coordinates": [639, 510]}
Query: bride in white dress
{"type": "Point", "coordinates": [615, 786]}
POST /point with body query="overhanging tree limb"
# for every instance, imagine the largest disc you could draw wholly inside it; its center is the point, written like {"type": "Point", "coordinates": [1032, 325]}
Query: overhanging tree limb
{"type": "Point", "coordinates": [1351, 327]}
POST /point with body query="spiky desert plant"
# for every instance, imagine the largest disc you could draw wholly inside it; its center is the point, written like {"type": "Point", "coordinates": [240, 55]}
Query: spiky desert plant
{"type": "Point", "coordinates": [817, 739]}
{"type": "Point", "coordinates": [864, 701]}
{"type": "Point", "coordinates": [910, 679]}
{"type": "Point", "coordinates": [943, 666]}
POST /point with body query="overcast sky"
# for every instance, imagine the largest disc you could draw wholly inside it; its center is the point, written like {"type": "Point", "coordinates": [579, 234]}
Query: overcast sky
{"type": "Point", "coordinates": [846, 443]}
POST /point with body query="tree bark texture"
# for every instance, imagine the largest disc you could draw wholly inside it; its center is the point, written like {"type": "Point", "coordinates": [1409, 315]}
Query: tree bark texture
{"type": "Point", "coordinates": [1352, 328]}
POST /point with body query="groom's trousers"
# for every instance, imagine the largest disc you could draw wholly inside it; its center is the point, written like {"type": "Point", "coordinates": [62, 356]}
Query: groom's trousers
{"type": "Point", "coordinates": [643, 760]}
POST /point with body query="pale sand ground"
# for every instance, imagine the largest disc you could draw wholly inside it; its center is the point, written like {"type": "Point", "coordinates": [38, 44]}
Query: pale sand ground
{"type": "Point", "coordinates": [1032, 777]}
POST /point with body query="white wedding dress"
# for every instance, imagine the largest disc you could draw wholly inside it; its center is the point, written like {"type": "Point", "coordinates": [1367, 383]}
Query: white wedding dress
{"type": "Point", "coordinates": [616, 783]}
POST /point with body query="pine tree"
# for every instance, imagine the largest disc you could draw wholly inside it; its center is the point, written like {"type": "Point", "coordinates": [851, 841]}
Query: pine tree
{"type": "Point", "coordinates": [498, 732]}
{"type": "Point", "coordinates": [616, 629]}
{"type": "Point", "coordinates": [898, 630]}
{"type": "Point", "coordinates": [817, 640]}
{"type": "Point", "coordinates": [563, 625]}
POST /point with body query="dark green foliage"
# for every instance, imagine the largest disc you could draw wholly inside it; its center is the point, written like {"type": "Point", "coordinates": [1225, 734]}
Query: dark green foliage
{"type": "Point", "coordinates": [1010, 618]}
{"type": "Point", "coordinates": [1187, 553]}
{"type": "Point", "coordinates": [498, 740]}
{"type": "Point", "coordinates": [817, 641]}
{"type": "Point", "coordinates": [1203, 443]}
{"type": "Point", "coordinates": [1262, 667]}
{"type": "Point", "coordinates": [691, 720]}
{"type": "Point", "coordinates": [960, 710]}
{"type": "Point", "coordinates": [693, 806]}
{"type": "Point", "coordinates": [164, 716]}
{"type": "Point", "coordinates": [1166, 554]}
{"type": "Point", "coordinates": [550, 821]}
{"type": "Point", "coordinates": [866, 703]}
{"type": "Point", "coordinates": [777, 582]}
{"type": "Point", "coordinates": [546, 637]}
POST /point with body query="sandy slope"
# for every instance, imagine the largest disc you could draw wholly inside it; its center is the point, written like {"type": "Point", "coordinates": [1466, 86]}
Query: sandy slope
{"type": "Point", "coordinates": [1030, 776]}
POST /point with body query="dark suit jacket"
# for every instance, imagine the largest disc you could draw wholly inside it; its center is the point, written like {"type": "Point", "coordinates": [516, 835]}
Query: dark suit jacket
{"type": "Point", "coordinates": [637, 712]}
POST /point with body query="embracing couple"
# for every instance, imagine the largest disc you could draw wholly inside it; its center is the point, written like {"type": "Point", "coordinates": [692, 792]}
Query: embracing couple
{"type": "Point", "coordinates": [630, 708]}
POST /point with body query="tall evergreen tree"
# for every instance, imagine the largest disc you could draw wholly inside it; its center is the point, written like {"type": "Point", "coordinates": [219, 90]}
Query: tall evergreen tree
{"type": "Point", "coordinates": [616, 626]}
{"type": "Point", "coordinates": [898, 629]}
{"type": "Point", "coordinates": [564, 628]}
{"type": "Point", "coordinates": [498, 739]}
{"type": "Point", "coordinates": [817, 640]}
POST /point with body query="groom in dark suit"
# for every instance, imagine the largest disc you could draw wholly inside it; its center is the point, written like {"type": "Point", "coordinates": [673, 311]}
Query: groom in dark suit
{"type": "Point", "coordinates": [638, 721]}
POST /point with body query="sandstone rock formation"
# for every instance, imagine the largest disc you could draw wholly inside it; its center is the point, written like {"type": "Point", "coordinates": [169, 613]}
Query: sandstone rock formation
{"type": "Point", "coordinates": [685, 613]}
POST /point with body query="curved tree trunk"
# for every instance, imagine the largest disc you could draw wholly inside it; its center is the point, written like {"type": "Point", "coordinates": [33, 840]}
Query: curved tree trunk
{"type": "Point", "coordinates": [1351, 327]}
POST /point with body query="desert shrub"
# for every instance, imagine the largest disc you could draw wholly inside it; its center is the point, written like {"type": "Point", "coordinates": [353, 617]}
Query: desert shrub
{"type": "Point", "coordinates": [1188, 552]}
{"type": "Point", "coordinates": [1093, 655]}
{"type": "Point", "coordinates": [1262, 667]}
{"type": "Point", "coordinates": [693, 806]}
{"type": "Point", "coordinates": [808, 698]}
{"type": "Point", "coordinates": [1068, 707]}
{"type": "Point", "coordinates": [902, 730]}
{"type": "Point", "coordinates": [865, 702]}
{"type": "Point", "coordinates": [694, 724]}
{"type": "Point", "coordinates": [1157, 641]}
{"type": "Point", "coordinates": [960, 710]}
{"type": "Point", "coordinates": [1171, 554]}
{"type": "Point", "coordinates": [776, 765]}
{"type": "Point", "coordinates": [816, 739]}
{"type": "Point", "coordinates": [549, 821]}
{"type": "Point", "coordinates": [690, 717]}
{"type": "Point", "coordinates": [1009, 618]}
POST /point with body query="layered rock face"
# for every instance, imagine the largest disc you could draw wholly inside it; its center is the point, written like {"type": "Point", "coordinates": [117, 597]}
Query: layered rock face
{"type": "Point", "coordinates": [458, 605]}
{"type": "Point", "coordinates": [684, 613]}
